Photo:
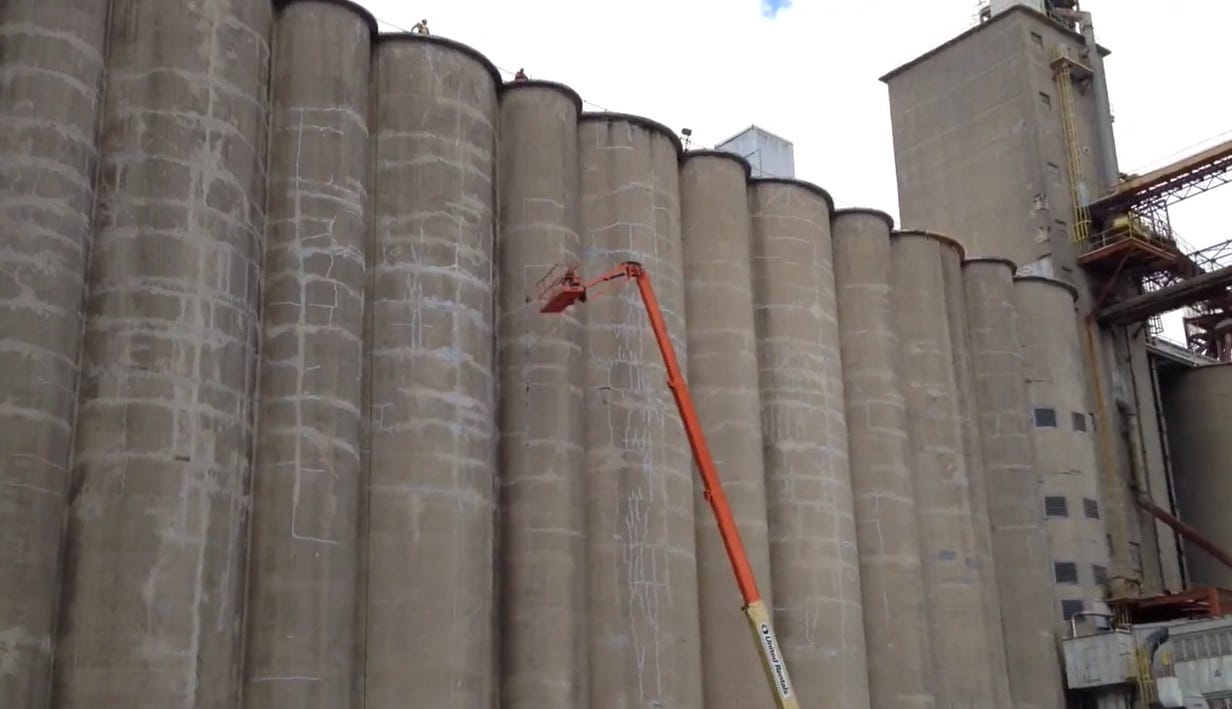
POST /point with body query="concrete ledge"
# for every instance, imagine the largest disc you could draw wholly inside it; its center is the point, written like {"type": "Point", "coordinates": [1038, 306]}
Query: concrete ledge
{"type": "Point", "coordinates": [539, 84]}
{"type": "Point", "coordinates": [721, 154]}
{"type": "Point", "coordinates": [940, 238]}
{"type": "Point", "coordinates": [362, 12]}
{"type": "Point", "coordinates": [865, 210]}
{"type": "Point", "coordinates": [802, 184]}
{"type": "Point", "coordinates": [449, 43]}
{"type": "Point", "coordinates": [1051, 281]}
{"type": "Point", "coordinates": [640, 121]}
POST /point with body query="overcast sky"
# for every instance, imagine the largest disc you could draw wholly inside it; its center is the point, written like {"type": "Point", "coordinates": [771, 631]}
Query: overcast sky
{"type": "Point", "coordinates": [807, 70]}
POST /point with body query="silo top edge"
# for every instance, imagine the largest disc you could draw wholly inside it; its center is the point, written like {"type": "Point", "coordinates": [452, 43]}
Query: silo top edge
{"type": "Point", "coordinates": [723, 154]}
{"type": "Point", "coordinates": [541, 84]}
{"type": "Point", "coordinates": [991, 259]}
{"type": "Point", "coordinates": [940, 238]}
{"type": "Point", "coordinates": [647, 123]}
{"type": "Point", "coordinates": [361, 11]}
{"type": "Point", "coordinates": [802, 184]}
{"type": "Point", "coordinates": [1050, 281]}
{"type": "Point", "coordinates": [866, 210]}
{"type": "Point", "coordinates": [458, 46]}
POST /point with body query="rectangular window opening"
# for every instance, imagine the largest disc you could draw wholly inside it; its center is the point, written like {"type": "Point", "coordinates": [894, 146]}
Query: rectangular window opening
{"type": "Point", "coordinates": [1046, 418]}
{"type": "Point", "coordinates": [1065, 571]}
{"type": "Point", "coordinates": [1037, 38]}
{"type": "Point", "coordinates": [1100, 574]}
{"type": "Point", "coordinates": [1056, 507]}
{"type": "Point", "coordinates": [1090, 508]}
{"type": "Point", "coordinates": [1046, 100]}
{"type": "Point", "coordinates": [1080, 421]}
{"type": "Point", "coordinates": [1070, 608]}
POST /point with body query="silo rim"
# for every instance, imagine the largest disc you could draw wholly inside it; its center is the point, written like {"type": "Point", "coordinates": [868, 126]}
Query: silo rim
{"type": "Point", "coordinates": [709, 153]}
{"type": "Point", "coordinates": [644, 122]}
{"type": "Point", "coordinates": [803, 184]}
{"type": "Point", "coordinates": [1051, 281]}
{"type": "Point", "coordinates": [941, 238]}
{"type": "Point", "coordinates": [866, 210]}
{"type": "Point", "coordinates": [541, 84]}
{"type": "Point", "coordinates": [991, 259]}
{"type": "Point", "coordinates": [363, 12]}
{"type": "Point", "coordinates": [452, 44]}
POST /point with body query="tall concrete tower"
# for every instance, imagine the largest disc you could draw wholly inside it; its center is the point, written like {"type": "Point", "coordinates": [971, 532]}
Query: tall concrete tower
{"type": "Point", "coordinates": [1002, 136]}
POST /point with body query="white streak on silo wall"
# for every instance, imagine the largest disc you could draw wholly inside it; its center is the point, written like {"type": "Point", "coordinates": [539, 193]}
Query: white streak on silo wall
{"type": "Point", "coordinates": [1019, 541]}
{"type": "Point", "coordinates": [155, 569]}
{"type": "Point", "coordinates": [643, 606]}
{"type": "Point", "coordinates": [895, 614]}
{"type": "Point", "coordinates": [722, 348]}
{"type": "Point", "coordinates": [300, 618]}
{"type": "Point", "coordinates": [51, 71]}
{"type": "Point", "coordinates": [968, 412]}
{"type": "Point", "coordinates": [543, 485]}
{"type": "Point", "coordinates": [961, 642]}
{"type": "Point", "coordinates": [813, 557]}
{"type": "Point", "coordinates": [430, 593]}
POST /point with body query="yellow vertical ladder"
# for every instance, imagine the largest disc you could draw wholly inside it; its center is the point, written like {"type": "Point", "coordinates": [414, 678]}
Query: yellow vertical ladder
{"type": "Point", "coordinates": [1063, 73]}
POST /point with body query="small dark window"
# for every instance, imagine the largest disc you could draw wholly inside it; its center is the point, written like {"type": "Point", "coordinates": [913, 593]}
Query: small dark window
{"type": "Point", "coordinates": [1037, 38]}
{"type": "Point", "coordinates": [1046, 418]}
{"type": "Point", "coordinates": [1100, 573]}
{"type": "Point", "coordinates": [1080, 421]}
{"type": "Point", "coordinates": [1069, 608]}
{"type": "Point", "coordinates": [1046, 100]}
{"type": "Point", "coordinates": [1056, 507]}
{"type": "Point", "coordinates": [1065, 571]}
{"type": "Point", "coordinates": [1090, 508]}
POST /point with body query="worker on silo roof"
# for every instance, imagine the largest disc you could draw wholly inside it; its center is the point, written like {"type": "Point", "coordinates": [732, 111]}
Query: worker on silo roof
{"type": "Point", "coordinates": [521, 75]}
{"type": "Point", "coordinates": [421, 27]}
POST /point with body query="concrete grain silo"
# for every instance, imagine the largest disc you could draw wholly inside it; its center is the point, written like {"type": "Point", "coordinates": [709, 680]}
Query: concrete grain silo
{"type": "Point", "coordinates": [891, 574]}
{"type": "Point", "coordinates": [154, 575]}
{"type": "Point", "coordinates": [962, 642]}
{"type": "Point", "coordinates": [1018, 538]}
{"type": "Point", "coordinates": [431, 498]}
{"type": "Point", "coordinates": [306, 479]}
{"type": "Point", "coordinates": [813, 559]}
{"type": "Point", "coordinates": [722, 364]}
{"type": "Point", "coordinates": [642, 608]}
{"type": "Point", "coordinates": [543, 485]}
{"type": "Point", "coordinates": [51, 74]}
{"type": "Point", "coordinates": [968, 413]}
{"type": "Point", "coordinates": [1063, 435]}
{"type": "Point", "coordinates": [1198, 407]}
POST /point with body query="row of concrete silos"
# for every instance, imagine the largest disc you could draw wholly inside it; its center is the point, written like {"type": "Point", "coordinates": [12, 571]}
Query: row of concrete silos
{"type": "Point", "coordinates": [275, 349]}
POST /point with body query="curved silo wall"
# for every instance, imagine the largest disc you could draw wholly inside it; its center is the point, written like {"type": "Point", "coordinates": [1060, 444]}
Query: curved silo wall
{"type": "Point", "coordinates": [968, 412]}
{"type": "Point", "coordinates": [1063, 433]}
{"type": "Point", "coordinates": [1018, 538]}
{"type": "Point", "coordinates": [305, 489]}
{"type": "Point", "coordinates": [643, 606]}
{"type": "Point", "coordinates": [813, 559]}
{"type": "Point", "coordinates": [955, 588]}
{"type": "Point", "coordinates": [430, 526]}
{"type": "Point", "coordinates": [155, 567]}
{"type": "Point", "coordinates": [722, 349]}
{"type": "Point", "coordinates": [891, 573]}
{"type": "Point", "coordinates": [543, 486]}
{"type": "Point", "coordinates": [51, 79]}
{"type": "Point", "coordinates": [1198, 407]}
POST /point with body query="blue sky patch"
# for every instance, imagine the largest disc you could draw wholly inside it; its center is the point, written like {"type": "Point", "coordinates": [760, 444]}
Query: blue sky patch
{"type": "Point", "coordinates": [771, 8]}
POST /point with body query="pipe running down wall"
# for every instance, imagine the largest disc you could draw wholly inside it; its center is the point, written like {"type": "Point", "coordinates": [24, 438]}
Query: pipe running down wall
{"type": "Point", "coordinates": [276, 367]}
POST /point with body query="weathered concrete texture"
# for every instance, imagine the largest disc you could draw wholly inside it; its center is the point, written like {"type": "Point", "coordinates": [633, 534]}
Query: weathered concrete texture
{"type": "Point", "coordinates": [962, 644]}
{"type": "Point", "coordinates": [51, 68]}
{"type": "Point", "coordinates": [891, 575]}
{"type": "Point", "coordinates": [1065, 459]}
{"type": "Point", "coordinates": [643, 606]}
{"type": "Point", "coordinates": [305, 490]}
{"type": "Point", "coordinates": [1018, 538]}
{"type": "Point", "coordinates": [155, 568]}
{"type": "Point", "coordinates": [968, 411]}
{"type": "Point", "coordinates": [722, 348]}
{"type": "Point", "coordinates": [1198, 406]}
{"type": "Point", "coordinates": [430, 587]}
{"type": "Point", "coordinates": [543, 483]}
{"type": "Point", "coordinates": [813, 559]}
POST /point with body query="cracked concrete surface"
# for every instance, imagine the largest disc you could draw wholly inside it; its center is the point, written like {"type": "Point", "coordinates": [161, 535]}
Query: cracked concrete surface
{"type": "Point", "coordinates": [813, 556]}
{"type": "Point", "coordinates": [543, 483]}
{"type": "Point", "coordinates": [643, 605]}
{"type": "Point", "coordinates": [51, 72]}
{"type": "Point", "coordinates": [895, 614]}
{"type": "Point", "coordinates": [431, 497]}
{"type": "Point", "coordinates": [305, 490]}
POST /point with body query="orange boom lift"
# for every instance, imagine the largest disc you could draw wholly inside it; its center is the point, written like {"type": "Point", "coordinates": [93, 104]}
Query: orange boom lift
{"type": "Point", "coordinates": [568, 289]}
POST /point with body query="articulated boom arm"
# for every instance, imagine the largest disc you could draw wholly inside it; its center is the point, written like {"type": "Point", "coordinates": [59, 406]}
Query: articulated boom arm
{"type": "Point", "coordinates": [570, 289]}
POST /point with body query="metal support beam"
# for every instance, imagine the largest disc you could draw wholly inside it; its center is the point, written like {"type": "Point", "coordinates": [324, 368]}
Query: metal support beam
{"type": "Point", "coordinates": [1168, 298]}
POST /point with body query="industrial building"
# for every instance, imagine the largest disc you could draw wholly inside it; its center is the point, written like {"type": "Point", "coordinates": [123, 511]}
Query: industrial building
{"type": "Point", "coordinates": [283, 423]}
